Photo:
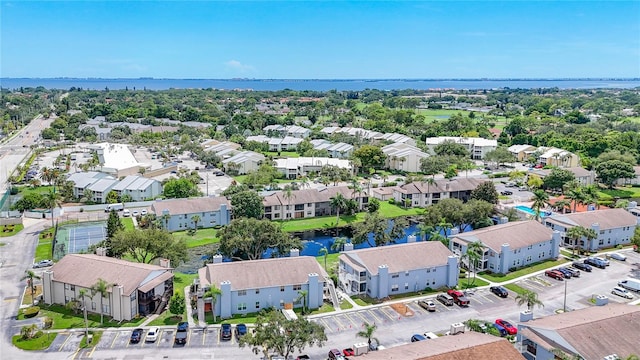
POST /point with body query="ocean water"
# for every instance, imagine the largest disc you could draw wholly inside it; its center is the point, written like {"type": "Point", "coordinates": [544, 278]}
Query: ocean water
{"type": "Point", "coordinates": [311, 84]}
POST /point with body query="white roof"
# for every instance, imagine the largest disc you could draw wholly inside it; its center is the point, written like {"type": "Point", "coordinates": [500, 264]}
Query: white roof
{"type": "Point", "coordinates": [551, 152]}
{"type": "Point", "coordinates": [400, 149]}
{"type": "Point", "coordinates": [519, 148]}
{"type": "Point", "coordinates": [259, 138]}
{"type": "Point", "coordinates": [462, 140]}
{"type": "Point", "coordinates": [116, 156]}
{"type": "Point", "coordinates": [244, 156]}
{"type": "Point", "coordinates": [102, 185]}
{"type": "Point", "coordinates": [295, 163]}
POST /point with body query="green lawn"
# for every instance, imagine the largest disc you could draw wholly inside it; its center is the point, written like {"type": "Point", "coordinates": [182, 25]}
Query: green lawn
{"type": "Point", "coordinates": [180, 281]}
{"type": "Point", "coordinates": [525, 271]}
{"type": "Point", "coordinates": [64, 318]}
{"type": "Point", "coordinates": [332, 261]}
{"type": "Point", "coordinates": [166, 318]}
{"type": "Point", "coordinates": [390, 211]}
{"type": "Point", "coordinates": [250, 318]}
{"type": "Point", "coordinates": [620, 192]}
{"type": "Point", "coordinates": [43, 250]}
{"type": "Point", "coordinates": [474, 283]}
{"type": "Point", "coordinates": [345, 305]}
{"type": "Point", "coordinates": [127, 223]}
{"type": "Point", "coordinates": [201, 237]}
{"type": "Point", "coordinates": [40, 343]}
{"type": "Point", "coordinates": [283, 154]}
{"type": "Point", "coordinates": [10, 230]}
{"type": "Point", "coordinates": [515, 288]}
{"type": "Point", "coordinates": [24, 190]}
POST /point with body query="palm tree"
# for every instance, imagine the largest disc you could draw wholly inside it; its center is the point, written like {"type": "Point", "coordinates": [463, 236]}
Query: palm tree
{"type": "Point", "coordinates": [474, 253]}
{"type": "Point", "coordinates": [196, 219]}
{"type": "Point", "coordinates": [592, 195]}
{"type": "Point", "coordinates": [430, 181]}
{"type": "Point", "coordinates": [367, 333]}
{"type": "Point", "coordinates": [561, 205]}
{"type": "Point", "coordinates": [34, 182]}
{"type": "Point", "coordinates": [589, 234]}
{"type": "Point", "coordinates": [338, 243]}
{"type": "Point", "coordinates": [338, 202]}
{"type": "Point", "coordinates": [83, 295]}
{"type": "Point", "coordinates": [356, 189]}
{"type": "Point", "coordinates": [324, 252]}
{"type": "Point", "coordinates": [574, 234]}
{"type": "Point", "coordinates": [166, 218]}
{"type": "Point", "coordinates": [540, 199]}
{"type": "Point", "coordinates": [52, 200]}
{"type": "Point", "coordinates": [30, 276]}
{"type": "Point", "coordinates": [213, 292]}
{"type": "Point", "coordinates": [287, 194]}
{"type": "Point", "coordinates": [302, 295]}
{"type": "Point", "coordinates": [576, 196]}
{"type": "Point", "coordinates": [101, 287]}
{"type": "Point", "coordinates": [424, 230]}
{"type": "Point", "coordinates": [530, 298]}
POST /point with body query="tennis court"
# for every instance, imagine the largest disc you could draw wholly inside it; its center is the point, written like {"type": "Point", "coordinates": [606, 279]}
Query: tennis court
{"type": "Point", "coordinates": [76, 238]}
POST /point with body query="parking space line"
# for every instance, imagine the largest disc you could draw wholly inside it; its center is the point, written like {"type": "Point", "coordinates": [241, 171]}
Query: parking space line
{"type": "Point", "coordinates": [68, 337]}
{"type": "Point", "coordinates": [335, 318]}
{"type": "Point", "coordinates": [485, 297]}
{"type": "Point", "coordinates": [392, 318]}
{"type": "Point", "coordinates": [373, 314]}
{"type": "Point", "coordinates": [353, 322]}
{"type": "Point", "coordinates": [114, 339]}
{"type": "Point", "coordinates": [204, 336]}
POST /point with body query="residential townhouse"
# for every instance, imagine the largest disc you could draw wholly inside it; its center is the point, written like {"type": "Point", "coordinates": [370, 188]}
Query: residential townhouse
{"type": "Point", "coordinates": [550, 156]}
{"type": "Point", "coordinates": [396, 138]}
{"type": "Point", "coordinates": [287, 143]}
{"type": "Point", "coordinates": [292, 168]}
{"type": "Point", "coordinates": [288, 130]}
{"type": "Point", "coordinates": [243, 163]}
{"type": "Point", "coordinates": [253, 285]}
{"type": "Point", "coordinates": [466, 346]}
{"type": "Point", "coordinates": [613, 226]}
{"type": "Point", "coordinates": [423, 194]}
{"type": "Point", "coordinates": [521, 152]}
{"type": "Point", "coordinates": [135, 289]}
{"type": "Point", "coordinates": [583, 176]}
{"type": "Point", "coordinates": [397, 269]}
{"type": "Point", "coordinates": [224, 150]}
{"type": "Point", "coordinates": [477, 147]}
{"type": "Point", "coordinates": [508, 246]}
{"type": "Point", "coordinates": [403, 157]}
{"type": "Point", "coordinates": [308, 202]}
{"type": "Point", "coordinates": [82, 180]}
{"type": "Point", "coordinates": [338, 150]}
{"type": "Point", "coordinates": [635, 180]}
{"type": "Point", "coordinates": [139, 188]}
{"type": "Point", "coordinates": [99, 189]}
{"type": "Point", "coordinates": [178, 214]}
{"type": "Point", "coordinates": [596, 332]}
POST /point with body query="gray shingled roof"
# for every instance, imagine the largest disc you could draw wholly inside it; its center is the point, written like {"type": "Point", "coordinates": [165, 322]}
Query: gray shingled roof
{"type": "Point", "coordinates": [84, 270]}
{"type": "Point", "coordinates": [256, 274]}
{"type": "Point", "coordinates": [189, 206]}
{"type": "Point", "coordinates": [607, 219]}
{"type": "Point", "coordinates": [399, 258]}
{"type": "Point", "coordinates": [517, 234]}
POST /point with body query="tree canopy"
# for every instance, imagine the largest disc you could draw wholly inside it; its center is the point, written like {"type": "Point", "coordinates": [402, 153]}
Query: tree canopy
{"type": "Point", "coordinates": [612, 170]}
{"type": "Point", "coordinates": [486, 191]}
{"type": "Point", "coordinates": [180, 188]}
{"type": "Point", "coordinates": [147, 245]}
{"type": "Point", "coordinates": [247, 204]}
{"type": "Point", "coordinates": [370, 156]}
{"type": "Point", "coordinates": [249, 238]}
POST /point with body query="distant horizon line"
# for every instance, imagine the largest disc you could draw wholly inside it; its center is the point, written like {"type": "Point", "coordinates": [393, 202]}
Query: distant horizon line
{"type": "Point", "coordinates": [338, 79]}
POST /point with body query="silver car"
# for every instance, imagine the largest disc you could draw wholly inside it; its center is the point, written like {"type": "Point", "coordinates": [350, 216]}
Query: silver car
{"type": "Point", "coordinates": [622, 292]}
{"type": "Point", "coordinates": [43, 263]}
{"type": "Point", "coordinates": [617, 256]}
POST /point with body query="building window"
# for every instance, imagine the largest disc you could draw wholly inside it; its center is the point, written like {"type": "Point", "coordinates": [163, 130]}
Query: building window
{"type": "Point", "coordinates": [276, 216]}
{"type": "Point", "coordinates": [242, 292]}
{"type": "Point", "coordinates": [395, 276]}
{"type": "Point", "coordinates": [257, 304]}
{"type": "Point", "coordinates": [105, 309]}
{"type": "Point", "coordinates": [72, 287]}
{"type": "Point", "coordinates": [242, 307]}
{"type": "Point", "coordinates": [297, 287]}
{"type": "Point", "coordinates": [66, 286]}
{"type": "Point", "coordinates": [257, 291]}
{"type": "Point", "coordinates": [281, 288]}
{"type": "Point", "coordinates": [406, 286]}
{"type": "Point", "coordinates": [394, 288]}
{"type": "Point", "coordinates": [66, 299]}
{"type": "Point", "coordinates": [93, 306]}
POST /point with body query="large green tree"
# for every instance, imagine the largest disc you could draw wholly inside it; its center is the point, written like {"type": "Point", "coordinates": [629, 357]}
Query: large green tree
{"type": "Point", "coordinates": [558, 178]}
{"type": "Point", "coordinates": [180, 188]}
{"type": "Point", "coordinates": [611, 171]}
{"type": "Point", "coordinates": [247, 204]}
{"type": "Point", "coordinates": [273, 333]}
{"type": "Point", "coordinates": [370, 156]}
{"type": "Point", "coordinates": [486, 191]}
{"type": "Point", "coordinates": [149, 244]}
{"type": "Point", "coordinates": [177, 303]}
{"type": "Point", "coordinates": [451, 148]}
{"type": "Point", "coordinates": [500, 156]}
{"type": "Point", "coordinates": [434, 165]}
{"type": "Point", "coordinates": [249, 238]}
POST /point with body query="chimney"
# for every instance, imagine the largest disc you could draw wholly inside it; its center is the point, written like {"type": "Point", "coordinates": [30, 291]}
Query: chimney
{"type": "Point", "coordinates": [165, 263]}
{"type": "Point", "coordinates": [294, 252]}
{"type": "Point", "coordinates": [101, 251]}
{"type": "Point", "coordinates": [446, 186]}
{"type": "Point", "coordinates": [217, 259]}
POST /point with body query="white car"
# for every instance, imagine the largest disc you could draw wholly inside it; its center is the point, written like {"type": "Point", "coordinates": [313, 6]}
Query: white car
{"type": "Point", "coordinates": [622, 292]}
{"type": "Point", "coordinates": [152, 334]}
{"type": "Point", "coordinates": [135, 213]}
{"type": "Point", "coordinates": [143, 212]}
{"type": "Point", "coordinates": [617, 256]}
{"type": "Point", "coordinates": [605, 261]}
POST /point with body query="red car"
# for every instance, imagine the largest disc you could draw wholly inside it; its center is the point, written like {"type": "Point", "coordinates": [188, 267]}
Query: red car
{"type": "Point", "coordinates": [512, 330]}
{"type": "Point", "coordinates": [554, 274]}
{"type": "Point", "coordinates": [348, 352]}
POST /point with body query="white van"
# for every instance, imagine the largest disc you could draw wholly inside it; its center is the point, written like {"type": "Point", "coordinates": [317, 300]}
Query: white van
{"type": "Point", "coordinates": [114, 207]}
{"type": "Point", "coordinates": [126, 213]}
{"type": "Point", "coordinates": [630, 284]}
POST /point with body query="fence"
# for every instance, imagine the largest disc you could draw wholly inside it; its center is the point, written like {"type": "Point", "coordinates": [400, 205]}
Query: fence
{"type": "Point", "coordinates": [161, 171]}
{"type": "Point", "coordinates": [10, 221]}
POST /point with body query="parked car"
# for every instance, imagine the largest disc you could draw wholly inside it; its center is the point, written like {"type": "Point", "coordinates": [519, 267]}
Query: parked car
{"type": "Point", "coordinates": [152, 334]}
{"type": "Point", "coordinates": [582, 266]}
{"type": "Point", "coordinates": [135, 213]}
{"type": "Point", "coordinates": [617, 256]}
{"type": "Point", "coordinates": [143, 212]}
{"type": "Point", "coordinates": [42, 263]}
{"type": "Point", "coordinates": [183, 326]}
{"type": "Point", "coordinates": [335, 354]}
{"type": "Point", "coordinates": [136, 335]}
{"type": "Point", "coordinates": [630, 284]}
{"type": "Point", "coordinates": [574, 272]}
{"type": "Point", "coordinates": [241, 330]}
{"type": "Point", "coordinates": [597, 262]}
{"type": "Point", "coordinates": [501, 329]}
{"type": "Point", "coordinates": [219, 173]}
{"type": "Point", "coordinates": [605, 261]}
{"type": "Point", "coordinates": [567, 274]}
{"type": "Point", "coordinates": [225, 332]}
{"type": "Point", "coordinates": [512, 330]}
{"type": "Point", "coordinates": [303, 357]}
{"type": "Point", "coordinates": [429, 335]}
{"type": "Point", "coordinates": [506, 192]}
{"type": "Point", "coordinates": [417, 337]}
{"type": "Point", "coordinates": [458, 297]}
{"type": "Point", "coordinates": [620, 291]}
{"type": "Point", "coordinates": [427, 305]}
{"type": "Point", "coordinates": [126, 213]}
{"type": "Point", "coordinates": [182, 333]}
{"type": "Point", "coordinates": [499, 291]}
{"type": "Point", "coordinates": [348, 352]}
{"type": "Point", "coordinates": [445, 299]}
{"type": "Point", "coordinates": [554, 274]}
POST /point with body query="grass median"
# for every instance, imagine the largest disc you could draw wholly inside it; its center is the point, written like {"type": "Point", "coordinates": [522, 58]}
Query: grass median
{"type": "Point", "coordinates": [523, 272]}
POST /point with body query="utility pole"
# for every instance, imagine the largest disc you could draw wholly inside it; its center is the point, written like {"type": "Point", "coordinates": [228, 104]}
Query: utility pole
{"type": "Point", "coordinates": [564, 306]}
{"type": "Point", "coordinates": [207, 184]}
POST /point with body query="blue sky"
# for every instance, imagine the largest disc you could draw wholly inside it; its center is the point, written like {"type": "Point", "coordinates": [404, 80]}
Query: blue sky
{"type": "Point", "coordinates": [320, 39]}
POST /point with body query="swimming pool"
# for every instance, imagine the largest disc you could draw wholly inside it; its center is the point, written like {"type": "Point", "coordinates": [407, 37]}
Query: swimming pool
{"type": "Point", "coordinates": [530, 211]}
